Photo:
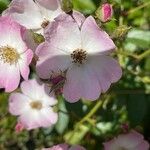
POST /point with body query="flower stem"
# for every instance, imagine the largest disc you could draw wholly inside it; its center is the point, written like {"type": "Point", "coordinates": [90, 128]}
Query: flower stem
{"type": "Point", "coordinates": [144, 54]}
{"type": "Point", "coordinates": [139, 7]}
{"type": "Point", "coordinates": [92, 112]}
{"type": "Point", "coordinates": [138, 57]}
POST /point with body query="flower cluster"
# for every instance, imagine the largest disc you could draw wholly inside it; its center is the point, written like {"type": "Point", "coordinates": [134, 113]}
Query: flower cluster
{"type": "Point", "coordinates": [74, 59]}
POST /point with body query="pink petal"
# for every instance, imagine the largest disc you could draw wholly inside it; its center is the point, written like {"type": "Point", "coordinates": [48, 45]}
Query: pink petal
{"type": "Point", "coordinates": [110, 145]}
{"type": "Point", "coordinates": [17, 103]}
{"type": "Point", "coordinates": [51, 59]}
{"type": "Point", "coordinates": [142, 146]}
{"type": "Point", "coordinates": [49, 9]}
{"type": "Point", "coordinates": [34, 90]}
{"type": "Point", "coordinates": [9, 77]}
{"type": "Point", "coordinates": [81, 82]}
{"type": "Point", "coordinates": [32, 119]}
{"type": "Point", "coordinates": [49, 4]}
{"type": "Point", "coordinates": [29, 40]}
{"type": "Point", "coordinates": [130, 140]}
{"type": "Point", "coordinates": [77, 147]}
{"type": "Point", "coordinates": [58, 147]}
{"type": "Point", "coordinates": [48, 117]}
{"type": "Point", "coordinates": [24, 62]}
{"type": "Point", "coordinates": [25, 12]}
{"type": "Point", "coordinates": [106, 69]}
{"type": "Point", "coordinates": [11, 34]}
{"type": "Point", "coordinates": [94, 39]}
{"type": "Point", "coordinates": [64, 33]}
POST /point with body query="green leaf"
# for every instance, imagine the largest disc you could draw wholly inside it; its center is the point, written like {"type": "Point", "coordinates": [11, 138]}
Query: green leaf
{"type": "Point", "coordinates": [63, 117]}
{"type": "Point", "coordinates": [3, 5]}
{"type": "Point", "coordinates": [85, 6]}
{"type": "Point", "coordinates": [136, 107]}
{"type": "Point", "coordinates": [140, 38]}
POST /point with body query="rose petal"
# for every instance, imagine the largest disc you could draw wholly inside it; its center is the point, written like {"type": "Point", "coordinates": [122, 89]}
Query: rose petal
{"type": "Point", "coordinates": [26, 13]}
{"type": "Point", "coordinates": [51, 59]}
{"type": "Point", "coordinates": [107, 70]}
{"type": "Point", "coordinates": [18, 103]}
{"type": "Point", "coordinates": [81, 82]}
{"type": "Point", "coordinates": [94, 39]}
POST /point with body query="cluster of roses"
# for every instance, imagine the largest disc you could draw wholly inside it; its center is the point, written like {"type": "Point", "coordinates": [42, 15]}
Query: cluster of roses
{"type": "Point", "coordinates": [73, 57]}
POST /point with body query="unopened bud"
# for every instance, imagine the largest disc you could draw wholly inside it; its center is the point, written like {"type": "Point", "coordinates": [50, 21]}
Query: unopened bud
{"type": "Point", "coordinates": [105, 12]}
{"type": "Point", "coordinates": [67, 5]}
{"type": "Point", "coordinates": [121, 31]}
{"type": "Point", "coordinates": [38, 38]}
{"type": "Point", "coordinates": [19, 127]}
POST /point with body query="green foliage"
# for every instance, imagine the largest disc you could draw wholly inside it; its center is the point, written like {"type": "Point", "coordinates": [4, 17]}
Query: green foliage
{"type": "Point", "coordinates": [3, 4]}
{"type": "Point", "coordinates": [85, 6]}
{"type": "Point", "coordinates": [63, 119]}
{"type": "Point", "coordinates": [140, 38]}
{"type": "Point", "coordinates": [128, 100]}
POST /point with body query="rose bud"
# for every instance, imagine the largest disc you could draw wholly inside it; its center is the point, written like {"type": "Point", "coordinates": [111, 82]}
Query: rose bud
{"type": "Point", "coordinates": [105, 12]}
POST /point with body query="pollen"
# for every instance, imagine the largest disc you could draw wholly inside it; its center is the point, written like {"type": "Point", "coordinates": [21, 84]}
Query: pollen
{"type": "Point", "coordinates": [9, 55]}
{"type": "Point", "coordinates": [36, 105]}
{"type": "Point", "coordinates": [79, 56]}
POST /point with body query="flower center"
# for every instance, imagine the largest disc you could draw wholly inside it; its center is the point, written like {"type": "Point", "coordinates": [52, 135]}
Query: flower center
{"type": "Point", "coordinates": [45, 24]}
{"type": "Point", "coordinates": [36, 105]}
{"type": "Point", "coordinates": [9, 55]}
{"type": "Point", "coordinates": [79, 56]}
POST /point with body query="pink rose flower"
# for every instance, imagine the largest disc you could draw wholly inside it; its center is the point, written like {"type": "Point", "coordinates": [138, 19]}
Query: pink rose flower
{"type": "Point", "coordinates": [33, 106]}
{"type": "Point", "coordinates": [129, 141]}
{"type": "Point", "coordinates": [106, 12]}
{"type": "Point", "coordinates": [65, 147]}
{"type": "Point", "coordinates": [15, 56]}
{"type": "Point", "coordinates": [34, 15]}
{"type": "Point", "coordinates": [82, 50]}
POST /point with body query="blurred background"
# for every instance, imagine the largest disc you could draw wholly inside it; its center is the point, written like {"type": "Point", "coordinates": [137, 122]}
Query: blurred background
{"type": "Point", "coordinates": [127, 102]}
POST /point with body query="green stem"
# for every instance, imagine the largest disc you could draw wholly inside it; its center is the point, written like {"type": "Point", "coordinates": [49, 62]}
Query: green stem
{"type": "Point", "coordinates": [138, 57]}
{"type": "Point", "coordinates": [88, 117]}
{"type": "Point", "coordinates": [139, 7]}
{"type": "Point", "coordinates": [92, 112]}
{"type": "Point", "coordinates": [144, 54]}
